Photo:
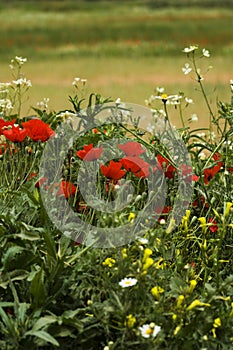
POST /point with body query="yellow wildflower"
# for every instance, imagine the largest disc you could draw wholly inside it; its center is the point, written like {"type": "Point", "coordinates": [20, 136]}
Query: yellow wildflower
{"type": "Point", "coordinates": [147, 253]}
{"type": "Point", "coordinates": [185, 219]}
{"type": "Point", "coordinates": [203, 223]}
{"type": "Point", "coordinates": [156, 291]}
{"type": "Point", "coordinates": [130, 321]}
{"type": "Point", "coordinates": [109, 262]}
{"type": "Point", "coordinates": [160, 264]}
{"type": "Point", "coordinates": [217, 323]}
{"type": "Point", "coordinates": [196, 303]}
{"type": "Point", "coordinates": [147, 264]}
{"type": "Point", "coordinates": [131, 217]}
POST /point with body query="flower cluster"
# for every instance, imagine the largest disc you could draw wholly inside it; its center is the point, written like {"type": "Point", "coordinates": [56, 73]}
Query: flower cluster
{"type": "Point", "coordinates": [35, 129]}
{"type": "Point", "coordinates": [167, 288]}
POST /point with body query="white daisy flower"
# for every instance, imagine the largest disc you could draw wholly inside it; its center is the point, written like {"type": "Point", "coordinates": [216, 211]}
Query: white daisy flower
{"type": "Point", "coordinates": [44, 104]}
{"type": "Point", "coordinates": [186, 69]}
{"type": "Point", "coordinates": [160, 89]}
{"type": "Point", "coordinates": [194, 117]}
{"type": "Point", "coordinates": [188, 100]}
{"type": "Point", "coordinates": [128, 282]}
{"type": "Point", "coordinates": [191, 48]}
{"type": "Point", "coordinates": [202, 155]}
{"type": "Point", "coordinates": [148, 330]}
{"type": "Point", "coordinates": [20, 60]}
{"type": "Point", "coordinates": [205, 53]}
{"type": "Point", "coordinates": [143, 240]}
{"type": "Point", "coordinates": [22, 81]}
{"type": "Point", "coordinates": [76, 81]}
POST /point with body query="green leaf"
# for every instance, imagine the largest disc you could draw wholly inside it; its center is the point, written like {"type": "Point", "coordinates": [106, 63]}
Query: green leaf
{"type": "Point", "coordinates": [38, 289]}
{"type": "Point", "coordinates": [15, 275]}
{"type": "Point", "coordinates": [8, 323]}
{"type": "Point", "coordinates": [17, 256]}
{"type": "Point", "coordinates": [177, 286]}
{"type": "Point", "coordinates": [10, 255]}
{"type": "Point", "coordinates": [44, 336]}
{"type": "Point", "coordinates": [21, 312]}
{"type": "Point", "coordinates": [43, 322]}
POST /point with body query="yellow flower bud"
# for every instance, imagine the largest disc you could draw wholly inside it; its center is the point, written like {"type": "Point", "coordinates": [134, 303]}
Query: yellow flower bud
{"type": "Point", "coordinates": [179, 301]}
{"type": "Point", "coordinates": [217, 322]}
{"type": "Point", "coordinates": [203, 223]}
{"type": "Point", "coordinates": [228, 207]}
{"type": "Point", "coordinates": [131, 217]}
{"type": "Point", "coordinates": [204, 244]}
{"type": "Point", "coordinates": [196, 303]}
{"type": "Point", "coordinates": [147, 253]}
{"type": "Point", "coordinates": [192, 285]}
{"type": "Point", "coordinates": [177, 329]}
{"type": "Point", "coordinates": [124, 253]}
{"type": "Point", "coordinates": [171, 226]}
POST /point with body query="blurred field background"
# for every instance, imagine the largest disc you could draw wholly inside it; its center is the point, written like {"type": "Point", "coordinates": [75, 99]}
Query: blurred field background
{"type": "Point", "coordinates": [123, 48]}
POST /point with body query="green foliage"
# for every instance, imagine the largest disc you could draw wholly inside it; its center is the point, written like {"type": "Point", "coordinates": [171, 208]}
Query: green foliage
{"type": "Point", "coordinates": [58, 294]}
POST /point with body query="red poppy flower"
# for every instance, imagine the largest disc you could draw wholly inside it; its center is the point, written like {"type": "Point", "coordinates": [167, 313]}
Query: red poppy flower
{"type": "Point", "coordinates": [136, 165]}
{"type": "Point", "coordinates": [15, 134]}
{"type": "Point", "coordinates": [113, 170]}
{"type": "Point", "coordinates": [163, 210]}
{"type": "Point", "coordinates": [89, 153]}
{"type": "Point", "coordinates": [209, 173]}
{"type": "Point", "coordinates": [188, 174]}
{"type": "Point", "coordinates": [169, 169]}
{"type": "Point", "coordinates": [132, 148]}
{"type": "Point", "coordinates": [214, 227]}
{"type": "Point", "coordinates": [38, 130]}
{"type": "Point", "coordinates": [217, 157]}
{"type": "Point", "coordinates": [4, 124]}
{"type": "Point", "coordinates": [66, 189]}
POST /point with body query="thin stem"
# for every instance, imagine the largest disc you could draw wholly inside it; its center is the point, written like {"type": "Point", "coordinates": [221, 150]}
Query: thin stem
{"type": "Point", "coordinates": [199, 78]}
